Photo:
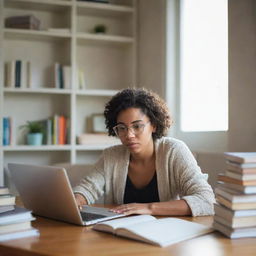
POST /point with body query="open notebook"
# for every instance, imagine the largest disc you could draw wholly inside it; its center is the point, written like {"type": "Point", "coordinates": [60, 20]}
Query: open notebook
{"type": "Point", "coordinates": [146, 228]}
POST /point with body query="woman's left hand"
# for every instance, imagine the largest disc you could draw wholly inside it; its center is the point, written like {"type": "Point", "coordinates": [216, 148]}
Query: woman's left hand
{"type": "Point", "coordinates": [133, 208]}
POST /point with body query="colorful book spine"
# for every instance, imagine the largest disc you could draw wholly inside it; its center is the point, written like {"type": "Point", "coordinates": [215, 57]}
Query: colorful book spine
{"type": "Point", "coordinates": [6, 131]}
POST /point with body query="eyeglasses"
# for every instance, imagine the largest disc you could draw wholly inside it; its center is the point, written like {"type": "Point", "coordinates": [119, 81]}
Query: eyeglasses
{"type": "Point", "coordinates": [121, 130]}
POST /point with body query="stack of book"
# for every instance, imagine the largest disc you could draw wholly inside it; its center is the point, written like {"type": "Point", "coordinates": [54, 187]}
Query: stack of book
{"type": "Point", "coordinates": [15, 222]}
{"type": "Point", "coordinates": [235, 211]}
{"type": "Point", "coordinates": [23, 22]}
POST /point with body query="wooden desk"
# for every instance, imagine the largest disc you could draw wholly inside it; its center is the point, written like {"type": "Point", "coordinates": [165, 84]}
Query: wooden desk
{"type": "Point", "coordinates": [59, 238]}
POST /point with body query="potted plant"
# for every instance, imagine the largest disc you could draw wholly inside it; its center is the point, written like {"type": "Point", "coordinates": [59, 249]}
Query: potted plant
{"type": "Point", "coordinates": [100, 29]}
{"type": "Point", "coordinates": [34, 133]}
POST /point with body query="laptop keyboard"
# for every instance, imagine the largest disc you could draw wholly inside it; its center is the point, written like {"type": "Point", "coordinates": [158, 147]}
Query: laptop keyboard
{"type": "Point", "coordinates": [91, 216]}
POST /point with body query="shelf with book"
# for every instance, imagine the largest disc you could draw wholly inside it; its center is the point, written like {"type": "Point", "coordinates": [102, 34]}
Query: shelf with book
{"type": "Point", "coordinates": [41, 108]}
{"type": "Point", "coordinates": [66, 39]}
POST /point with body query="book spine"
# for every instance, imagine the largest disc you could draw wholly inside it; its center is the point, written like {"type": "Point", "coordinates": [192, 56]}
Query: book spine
{"type": "Point", "coordinates": [23, 74]}
{"type": "Point", "coordinates": [6, 131]}
{"type": "Point", "coordinates": [61, 80]}
{"type": "Point", "coordinates": [28, 75]}
{"type": "Point", "coordinates": [17, 73]}
{"type": "Point", "coordinates": [49, 132]}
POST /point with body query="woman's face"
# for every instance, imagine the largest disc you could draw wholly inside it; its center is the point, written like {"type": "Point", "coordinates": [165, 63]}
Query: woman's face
{"type": "Point", "coordinates": [134, 130]}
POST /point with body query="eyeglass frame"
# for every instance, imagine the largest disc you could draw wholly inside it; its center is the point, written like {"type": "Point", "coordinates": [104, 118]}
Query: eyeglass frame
{"type": "Point", "coordinates": [129, 127]}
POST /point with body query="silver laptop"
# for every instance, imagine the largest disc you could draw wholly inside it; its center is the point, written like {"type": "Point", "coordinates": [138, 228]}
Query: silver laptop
{"type": "Point", "coordinates": [47, 192]}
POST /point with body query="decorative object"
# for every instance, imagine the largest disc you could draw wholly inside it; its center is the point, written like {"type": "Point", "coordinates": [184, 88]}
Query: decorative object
{"type": "Point", "coordinates": [98, 123]}
{"type": "Point", "coordinates": [100, 29]}
{"type": "Point", "coordinates": [34, 133]}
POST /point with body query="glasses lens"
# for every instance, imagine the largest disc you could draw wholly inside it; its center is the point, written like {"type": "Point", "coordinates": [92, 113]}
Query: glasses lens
{"type": "Point", "coordinates": [137, 128]}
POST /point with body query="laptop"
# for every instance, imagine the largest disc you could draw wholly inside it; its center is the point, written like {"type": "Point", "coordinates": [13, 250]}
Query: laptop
{"type": "Point", "coordinates": [47, 192]}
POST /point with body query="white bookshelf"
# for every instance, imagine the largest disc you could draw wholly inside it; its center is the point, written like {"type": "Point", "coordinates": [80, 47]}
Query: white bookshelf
{"type": "Point", "coordinates": [108, 61]}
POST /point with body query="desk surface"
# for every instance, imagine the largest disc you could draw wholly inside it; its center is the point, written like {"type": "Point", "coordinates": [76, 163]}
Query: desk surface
{"type": "Point", "coordinates": [59, 238]}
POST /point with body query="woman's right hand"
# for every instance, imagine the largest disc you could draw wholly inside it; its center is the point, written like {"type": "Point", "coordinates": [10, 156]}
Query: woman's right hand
{"type": "Point", "coordinates": [80, 200]}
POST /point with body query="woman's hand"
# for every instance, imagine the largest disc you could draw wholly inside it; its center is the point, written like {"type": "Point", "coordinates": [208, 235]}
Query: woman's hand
{"type": "Point", "coordinates": [133, 208]}
{"type": "Point", "coordinates": [80, 200]}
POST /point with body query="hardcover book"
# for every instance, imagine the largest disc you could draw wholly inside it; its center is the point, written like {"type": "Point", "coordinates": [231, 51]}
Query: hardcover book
{"type": "Point", "coordinates": [241, 157]}
{"type": "Point", "coordinates": [239, 188]}
{"type": "Point", "coordinates": [235, 233]}
{"type": "Point", "coordinates": [236, 205]}
{"type": "Point", "coordinates": [226, 179]}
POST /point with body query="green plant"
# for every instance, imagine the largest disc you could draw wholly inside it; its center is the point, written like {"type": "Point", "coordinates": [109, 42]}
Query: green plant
{"type": "Point", "coordinates": [33, 127]}
{"type": "Point", "coordinates": [100, 29]}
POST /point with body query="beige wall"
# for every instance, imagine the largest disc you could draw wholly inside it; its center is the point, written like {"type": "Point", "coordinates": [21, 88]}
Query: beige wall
{"type": "Point", "coordinates": [242, 75]}
{"type": "Point", "coordinates": [151, 45]}
{"type": "Point", "coordinates": [242, 72]}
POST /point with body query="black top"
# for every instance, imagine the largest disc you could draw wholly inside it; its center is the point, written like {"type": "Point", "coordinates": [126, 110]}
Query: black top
{"type": "Point", "coordinates": [147, 194]}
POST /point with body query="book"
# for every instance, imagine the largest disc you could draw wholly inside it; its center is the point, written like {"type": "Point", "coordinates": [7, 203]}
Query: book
{"type": "Point", "coordinates": [67, 77]}
{"type": "Point", "coordinates": [6, 208]}
{"type": "Point", "coordinates": [235, 233]}
{"type": "Point", "coordinates": [97, 139]}
{"type": "Point", "coordinates": [226, 179]}
{"type": "Point", "coordinates": [240, 176]}
{"type": "Point", "coordinates": [241, 222]}
{"type": "Point", "coordinates": [6, 131]}
{"type": "Point", "coordinates": [4, 190]}
{"type": "Point", "coordinates": [7, 199]}
{"type": "Point", "coordinates": [19, 214]}
{"type": "Point", "coordinates": [148, 229]}
{"type": "Point", "coordinates": [23, 22]}
{"type": "Point", "coordinates": [10, 74]}
{"type": "Point", "coordinates": [240, 188]}
{"type": "Point", "coordinates": [15, 227]}
{"type": "Point", "coordinates": [81, 80]}
{"type": "Point", "coordinates": [229, 214]}
{"type": "Point", "coordinates": [20, 234]}
{"type": "Point", "coordinates": [235, 206]}
{"type": "Point", "coordinates": [241, 168]}
{"type": "Point", "coordinates": [18, 74]}
{"type": "Point", "coordinates": [241, 157]}
{"type": "Point", "coordinates": [234, 196]}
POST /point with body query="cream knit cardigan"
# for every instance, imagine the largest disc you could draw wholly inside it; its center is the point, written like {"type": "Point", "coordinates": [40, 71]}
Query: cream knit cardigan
{"type": "Point", "coordinates": [178, 177]}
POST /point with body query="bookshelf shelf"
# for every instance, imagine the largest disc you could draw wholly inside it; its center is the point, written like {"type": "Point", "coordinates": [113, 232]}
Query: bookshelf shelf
{"type": "Point", "coordinates": [107, 63]}
{"type": "Point", "coordinates": [96, 92]}
{"type": "Point", "coordinates": [105, 38]}
{"type": "Point", "coordinates": [38, 91]}
{"type": "Point", "coordinates": [46, 5]}
{"type": "Point", "coordinates": [37, 148]}
{"type": "Point", "coordinates": [21, 33]}
{"type": "Point", "coordinates": [101, 8]}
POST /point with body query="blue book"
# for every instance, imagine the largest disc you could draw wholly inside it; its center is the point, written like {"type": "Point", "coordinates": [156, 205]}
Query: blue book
{"type": "Point", "coordinates": [18, 74]}
{"type": "Point", "coordinates": [6, 131]}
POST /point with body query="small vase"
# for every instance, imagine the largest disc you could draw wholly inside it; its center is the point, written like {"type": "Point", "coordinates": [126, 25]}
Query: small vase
{"type": "Point", "coordinates": [35, 139]}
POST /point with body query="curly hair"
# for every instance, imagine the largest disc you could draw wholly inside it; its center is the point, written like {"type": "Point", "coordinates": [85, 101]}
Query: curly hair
{"type": "Point", "coordinates": [147, 101]}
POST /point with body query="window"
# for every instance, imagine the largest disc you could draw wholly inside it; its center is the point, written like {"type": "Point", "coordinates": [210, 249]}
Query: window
{"type": "Point", "coordinates": [203, 65]}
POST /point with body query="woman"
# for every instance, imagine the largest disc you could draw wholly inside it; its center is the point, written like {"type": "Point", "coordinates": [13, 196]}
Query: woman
{"type": "Point", "coordinates": [148, 173]}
